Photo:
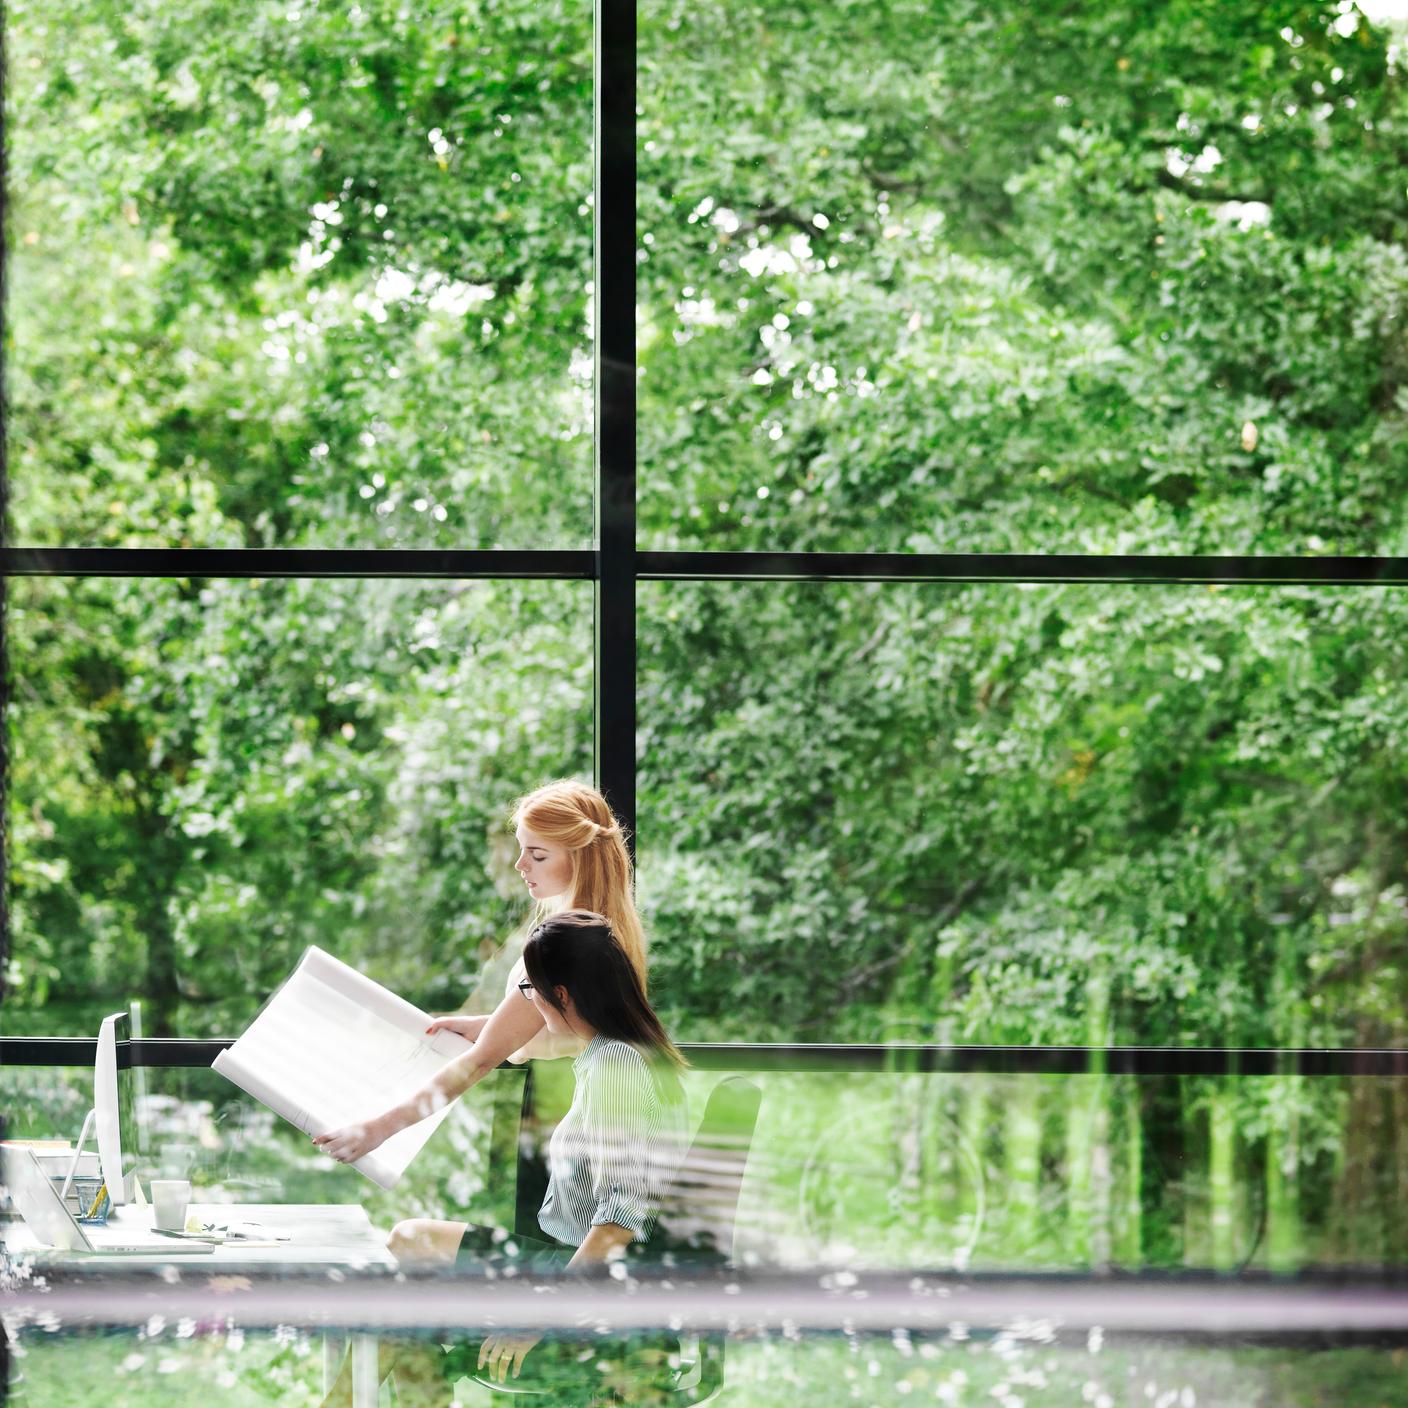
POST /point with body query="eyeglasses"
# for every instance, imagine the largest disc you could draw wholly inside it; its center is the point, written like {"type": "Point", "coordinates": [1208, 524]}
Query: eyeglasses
{"type": "Point", "coordinates": [527, 990]}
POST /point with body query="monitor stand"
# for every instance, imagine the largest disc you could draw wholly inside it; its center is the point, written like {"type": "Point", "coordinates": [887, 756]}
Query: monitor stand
{"type": "Point", "coordinates": [78, 1152]}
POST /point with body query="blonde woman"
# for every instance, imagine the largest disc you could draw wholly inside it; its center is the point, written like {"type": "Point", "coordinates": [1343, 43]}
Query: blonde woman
{"type": "Point", "coordinates": [571, 855]}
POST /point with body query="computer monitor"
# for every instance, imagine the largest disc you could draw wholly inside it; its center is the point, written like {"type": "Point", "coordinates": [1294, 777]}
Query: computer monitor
{"type": "Point", "coordinates": [107, 1108]}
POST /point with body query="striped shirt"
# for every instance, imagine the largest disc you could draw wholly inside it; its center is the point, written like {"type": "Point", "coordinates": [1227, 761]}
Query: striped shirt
{"type": "Point", "coordinates": [615, 1150]}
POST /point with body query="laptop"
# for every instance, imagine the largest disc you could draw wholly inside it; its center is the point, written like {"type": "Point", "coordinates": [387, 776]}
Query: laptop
{"type": "Point", "coordinates": [44, 1212]}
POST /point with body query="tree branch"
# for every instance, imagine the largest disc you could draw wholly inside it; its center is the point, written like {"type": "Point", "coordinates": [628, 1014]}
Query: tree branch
{"type": "Point", "coordinates": [882, 965]}
{"type": "Point", "coordinates": [884, 182]}
{"type": "Point", "coordinates": [1165, 177]}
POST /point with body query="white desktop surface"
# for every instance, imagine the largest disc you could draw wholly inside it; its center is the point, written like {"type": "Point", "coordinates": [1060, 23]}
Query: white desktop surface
{"type": "Point", "coordinates": [319, 1234]}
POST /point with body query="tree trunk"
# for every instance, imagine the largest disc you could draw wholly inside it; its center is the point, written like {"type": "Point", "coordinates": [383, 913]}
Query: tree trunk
{"type": "Point", "coordinates": [972, 1213]}
{"type": "Point", "coordinates": [1222, 1176]}
{"type": "Point", "coordinates": [1022, 1162]}
{"type": "Point", "coordinates": [160, 990]}
{"type": "Point", "coordinates": [1284, 1250]}
{"type": "Point", "coordinates": [1130, 1252]}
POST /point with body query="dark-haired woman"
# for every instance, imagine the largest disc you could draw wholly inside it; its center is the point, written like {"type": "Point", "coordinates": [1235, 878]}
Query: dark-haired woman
{"type": "Point", "coordinates": [612, 1153]}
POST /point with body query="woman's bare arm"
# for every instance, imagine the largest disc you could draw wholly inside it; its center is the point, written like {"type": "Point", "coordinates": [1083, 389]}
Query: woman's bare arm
{"type": "Point", "coordinates": [603, 1244]}
{"type": "Point", "coordinates": [513, 1023]}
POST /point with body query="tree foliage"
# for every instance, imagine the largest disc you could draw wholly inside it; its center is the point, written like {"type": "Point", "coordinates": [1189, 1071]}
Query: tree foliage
{"type": "Point", "coordinates": [1099, 278]}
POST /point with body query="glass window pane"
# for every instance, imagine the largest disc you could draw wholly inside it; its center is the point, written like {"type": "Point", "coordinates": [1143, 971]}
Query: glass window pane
{"type": "Point", "coordinates": [1054, 814]}
{"type": "Point", "coordinates": [195, 1124]}
{"type": "Point", "coordinates": [989, 1173]}
{"type": "Point", "coordinates": [866, 1171]}
{"type": "Point", "coordinates": [207, 777]}
{"type": "Point", "coordinates": [299, 276]}
{"type": "Point", "coordinates": [222, 1365]}
{"type": "Point", "coordinates": [935, 277]}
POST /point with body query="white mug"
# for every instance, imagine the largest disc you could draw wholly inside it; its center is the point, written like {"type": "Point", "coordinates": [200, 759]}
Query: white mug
{"type": "Point", "coordinates": [171, 1197]}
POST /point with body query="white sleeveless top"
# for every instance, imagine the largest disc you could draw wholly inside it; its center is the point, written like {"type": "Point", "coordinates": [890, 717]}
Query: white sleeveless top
{"type": "Point", "coordinates": [546, 1045]}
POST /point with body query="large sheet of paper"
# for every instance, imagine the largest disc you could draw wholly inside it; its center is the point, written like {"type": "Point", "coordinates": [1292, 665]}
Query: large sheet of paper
{"type": "Point", "coordinates": [331, 1047]}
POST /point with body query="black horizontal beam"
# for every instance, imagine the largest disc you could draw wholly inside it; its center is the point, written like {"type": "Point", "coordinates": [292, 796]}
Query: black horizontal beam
{"type": "Point", "coordinates": [1052, 1060]}
{"type": "Point", "coordinates": [158, 1052]}
{"type": "Point", "coordinates": [1017, 567]}
{"type": "Point", "coordinates": [584, 565]}
{"type": "Point", "coordinates": [147, 1051]}
{"type": "Point", "coordinates": [495, 563]}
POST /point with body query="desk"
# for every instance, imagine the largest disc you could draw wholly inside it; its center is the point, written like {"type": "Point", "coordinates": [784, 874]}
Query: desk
{"type": "Point", "coordinates": [320, 1234]}
{"type": "Point", "coordinates": [335, 1234]}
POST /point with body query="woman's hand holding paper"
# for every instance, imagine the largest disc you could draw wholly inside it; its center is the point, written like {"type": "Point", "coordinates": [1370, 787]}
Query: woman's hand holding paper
{"type": "Point", "coordinates": [467, 1027]}
{"type": "Point", "coordinates": [351, 1142]}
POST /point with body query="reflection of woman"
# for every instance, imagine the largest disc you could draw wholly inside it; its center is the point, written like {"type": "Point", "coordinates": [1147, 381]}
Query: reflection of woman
{"type": "Point", "coordinates": [608, 1161]}
{"type": "Point", "coordinates": [571, 856]}
{"type": "Point", "coordinates": [620, 1140]}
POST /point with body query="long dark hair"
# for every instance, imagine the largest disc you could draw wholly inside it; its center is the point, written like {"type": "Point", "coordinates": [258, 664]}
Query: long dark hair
{"type": "Point", "coordinates": [577, 950]}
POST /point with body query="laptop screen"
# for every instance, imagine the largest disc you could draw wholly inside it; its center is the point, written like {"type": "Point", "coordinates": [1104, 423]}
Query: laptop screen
{"type": "Point", "coordinates": [38, 1201]}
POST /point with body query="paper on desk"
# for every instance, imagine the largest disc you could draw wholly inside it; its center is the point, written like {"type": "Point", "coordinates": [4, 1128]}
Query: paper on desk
{"type": "Point", "coordinates": [253, 1234]}
{"type": "Point", "coordinates": [331, 1047]}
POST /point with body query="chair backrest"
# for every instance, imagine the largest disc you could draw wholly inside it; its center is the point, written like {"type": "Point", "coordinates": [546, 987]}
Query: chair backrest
{"type": "Point", "coordinates": [698, 1211]}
